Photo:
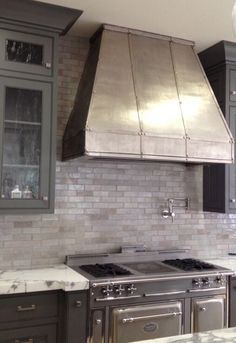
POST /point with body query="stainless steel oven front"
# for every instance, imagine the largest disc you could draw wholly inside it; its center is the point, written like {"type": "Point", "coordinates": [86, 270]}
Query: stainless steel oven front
{"type": "Point", "coordinates": [145, 309]}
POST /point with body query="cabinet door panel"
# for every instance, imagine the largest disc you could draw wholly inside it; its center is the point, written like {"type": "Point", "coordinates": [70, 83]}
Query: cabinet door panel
{"type": "Point", "coordinates": [232, 302]}
{"type": "Point", "coordinates": [231, 169]}
{"type": "Point", "coordinates": [232, 85]}
{"type": "Point", "coordinates": [76, 317]}
{"type": "Point", "coordinates": [25, 136]}
{"type": "Point", "coordinates": [40, 334]}
{"type": "Point", "coordinates": [25, 53]}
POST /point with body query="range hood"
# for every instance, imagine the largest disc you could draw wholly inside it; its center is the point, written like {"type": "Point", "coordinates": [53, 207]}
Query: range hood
{"type": "Point", "coordinates": [145, 96]}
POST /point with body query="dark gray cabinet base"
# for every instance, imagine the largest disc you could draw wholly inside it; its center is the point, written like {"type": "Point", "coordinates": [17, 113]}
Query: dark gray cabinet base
{"type": "Point", "coordinates": [44, 317]}
{"type": "Point", "coordinates": [35, 334]}
{"type": "Point", "coordinates": [232, 302]}
{"type": "Point", "coordinates": [75, 317]}
{"type": "Point", "coordinates": [29, 318]}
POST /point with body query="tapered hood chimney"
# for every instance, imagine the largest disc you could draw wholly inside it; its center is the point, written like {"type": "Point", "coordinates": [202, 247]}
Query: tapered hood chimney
{"type": "Point", "coordinates": [146, 96]}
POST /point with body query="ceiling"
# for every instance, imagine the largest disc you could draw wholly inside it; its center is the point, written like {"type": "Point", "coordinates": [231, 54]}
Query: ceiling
{"type": "Point", "coordinates": [204, 21]}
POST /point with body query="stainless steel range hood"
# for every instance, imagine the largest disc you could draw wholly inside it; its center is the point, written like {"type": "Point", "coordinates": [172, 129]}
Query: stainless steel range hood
{"type": "Point", "coordinates": [145, 96]}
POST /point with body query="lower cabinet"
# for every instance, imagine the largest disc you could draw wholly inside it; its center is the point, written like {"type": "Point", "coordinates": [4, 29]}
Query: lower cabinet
{"type": "Point", "coordinates": [232, 301]}
{"type": "Point", "coordinates": [44, 317]}
{"type": "Point", "coordinates": [30, 318]}
{"type": "Point", "coordinates": [75, 317]}
{"type": "Point", "coordinates": [35, 334]}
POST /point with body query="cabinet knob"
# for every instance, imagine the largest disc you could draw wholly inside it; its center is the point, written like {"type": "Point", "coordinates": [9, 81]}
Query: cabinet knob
{"type": "Point", "coordinates": [98, 321]}
{"type": "Point", "coordinates": [44, 198]}
{"type": "Point", "coordinates": [78, 303]}
{"type": "Point", "coordinates": [47, 65]}
{"type": "Point", "coordinates": [233, 200]}
{"type": "Point", "coordinates": [233, 92]}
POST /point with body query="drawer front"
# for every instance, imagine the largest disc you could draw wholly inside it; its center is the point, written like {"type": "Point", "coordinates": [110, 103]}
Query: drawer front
{"type": "Point", "coordinates": [16, 308]}
{"type": "Point", "coordinates": [36, 334]}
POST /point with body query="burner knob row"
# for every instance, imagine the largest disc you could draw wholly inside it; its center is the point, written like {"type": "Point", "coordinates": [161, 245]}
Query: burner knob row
{"type": "Point", "coordinates": [201, 282]}
{"type": "Point", "coordinates": [206, 282]}
{"type": "Point", "coordinates": [118, 290]}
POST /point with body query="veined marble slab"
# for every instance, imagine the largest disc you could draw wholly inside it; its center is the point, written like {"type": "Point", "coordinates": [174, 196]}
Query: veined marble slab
{"type": "Point", "coordinates": [215, 336]}
{"type": "Point", "coordinates": [226, 262]}
{"type": "Point", "coordinates": [42, 279]}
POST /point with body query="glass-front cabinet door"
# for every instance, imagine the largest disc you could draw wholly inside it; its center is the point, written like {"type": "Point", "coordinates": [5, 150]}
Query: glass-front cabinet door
{"type": "Point", "coordinates": [23, 52]}
{"type": "Point", "coordinates": [25, 136]}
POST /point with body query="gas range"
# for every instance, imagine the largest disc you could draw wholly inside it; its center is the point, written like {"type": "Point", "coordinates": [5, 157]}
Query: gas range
{"type": "Point", "coordinates": [125, 269]}
{"type": "Point", "coordinates": [150, 267]}
{"type": "Point", "coordinates": [143, 296]}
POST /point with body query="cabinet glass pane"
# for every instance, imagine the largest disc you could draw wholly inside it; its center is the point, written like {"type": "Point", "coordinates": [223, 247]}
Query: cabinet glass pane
{"type": "Point", "coordinates": [21, 144]}
{"type": "Point", "coordinates": [23, 105]}
{"type": "Point", "coordinates": [26, 178]}
{"type": "Point", "coordinates": [24, 52]}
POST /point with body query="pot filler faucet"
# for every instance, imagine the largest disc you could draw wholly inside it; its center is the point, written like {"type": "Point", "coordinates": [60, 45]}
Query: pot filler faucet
{"type": "Point", "coordinates": [174, 202]}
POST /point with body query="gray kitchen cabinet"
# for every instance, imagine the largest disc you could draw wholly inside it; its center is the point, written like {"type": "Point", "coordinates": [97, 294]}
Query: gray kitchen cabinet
{"type": "Point", "coordinates": [27, 122]}
{"type": "Point", "coordinates": [30, 318]}
{"type": "Point", "coordinates": [37, 334]}
{"type": "Point", "coordinates": [44, 317]}
{"type": "Point", "coordinates": [29, 33]}
{"type": "Point", "coordinates": [232, 301]}
{"type": "Point", "coordinates": [219, 181]}
{"type": "Point", "coordinates": [75, 317]}
{"type": "Point", "coordinates": [26, 53]}
{"type": "Point", "coordinates": [26, 132]}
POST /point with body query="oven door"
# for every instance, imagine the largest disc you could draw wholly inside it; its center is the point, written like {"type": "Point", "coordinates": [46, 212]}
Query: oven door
{"type": "Point", "coordinates": [144, 322]}
{"type": "Point", "coordinates": [208, 313]}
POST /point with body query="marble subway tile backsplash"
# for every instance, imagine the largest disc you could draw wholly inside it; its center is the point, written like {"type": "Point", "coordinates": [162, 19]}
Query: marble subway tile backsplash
{"type": "Point", "coordinates": [101, 205]}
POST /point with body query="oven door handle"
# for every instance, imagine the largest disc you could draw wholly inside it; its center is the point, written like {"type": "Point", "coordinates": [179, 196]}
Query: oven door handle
{"type": "Point", "coordinates": [157, 316]}
{"type": "Point", "coordinates": [164, 293]}
{"type": "Point", "coordinates": [117, 298]}
{"type": "Point", "coordinates": [206, 289]}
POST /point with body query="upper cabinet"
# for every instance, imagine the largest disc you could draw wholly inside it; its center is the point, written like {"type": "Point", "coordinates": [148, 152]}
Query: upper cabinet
{"type": "Point", "coordinates": [219, 181]}
{"type": "Point", "coordinates": [29, 33]}
{"type": "Point", "coordinates": [26, 53]}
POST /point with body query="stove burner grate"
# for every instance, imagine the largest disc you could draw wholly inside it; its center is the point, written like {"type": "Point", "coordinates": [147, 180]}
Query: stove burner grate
{"type": "Point", "coordinates": [107, 269]}
{"type": "Point", "coordinates": [190, 264]}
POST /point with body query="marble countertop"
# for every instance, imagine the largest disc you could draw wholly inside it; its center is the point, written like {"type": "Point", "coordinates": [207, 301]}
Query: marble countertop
{"type": "Point", "coordinates": [42, 279]}
{"type": "Point", "coordinates": [216, 336]}
{"type": "Point", "coordinates": [226, 262]}
{"type": "Point", "coordinates": [63, 277]}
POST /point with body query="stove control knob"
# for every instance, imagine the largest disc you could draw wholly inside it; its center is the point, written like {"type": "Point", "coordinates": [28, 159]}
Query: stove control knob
{"type": "Point", "coordinates": [131, 289]}
{"type": "Point", "coordinates": [205, 281]}
{"type": "Point", "coordinates": [195, 283]}
{"type": "Point", "coordinates": [106, 291]}
{"type": "Point", "coordinates": [118, 289]}
{"type": "Point", "coordinates": [219, 280]}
